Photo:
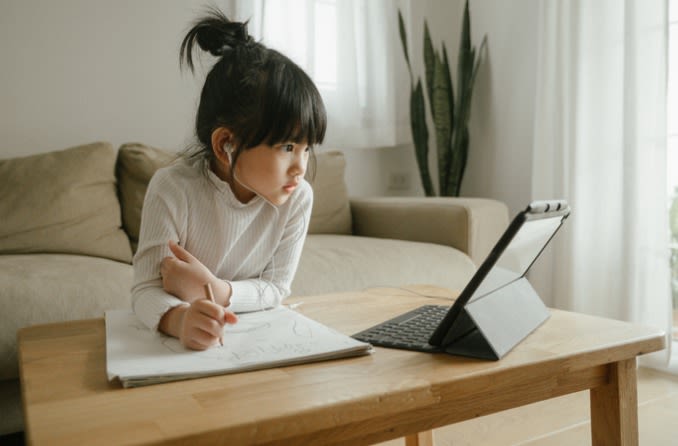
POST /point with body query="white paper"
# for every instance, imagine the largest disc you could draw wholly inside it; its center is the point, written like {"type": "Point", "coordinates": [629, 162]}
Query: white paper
{"type": "Point", "coordinates": [262, 339]}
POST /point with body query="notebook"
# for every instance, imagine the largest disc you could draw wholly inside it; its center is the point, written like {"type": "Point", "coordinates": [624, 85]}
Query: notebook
{"type": "Point", "coordinates": [277, 337]}
{"type": "Point", "coordinates": [496, 309]}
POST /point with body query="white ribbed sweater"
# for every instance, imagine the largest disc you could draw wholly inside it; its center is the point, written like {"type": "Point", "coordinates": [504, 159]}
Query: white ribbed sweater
{"type": "Point", "coordinates": [255, 246]}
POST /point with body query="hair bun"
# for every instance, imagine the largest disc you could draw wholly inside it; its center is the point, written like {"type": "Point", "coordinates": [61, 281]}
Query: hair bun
{"type": "Point", "coordinates": [219, 38]}
{"type": "Point", "coordinates": [216, 34]}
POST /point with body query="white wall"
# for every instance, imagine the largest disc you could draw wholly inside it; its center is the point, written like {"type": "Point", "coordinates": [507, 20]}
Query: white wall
{"type": "Point", "coordinates": [502, 124]}
{"type": "Point", "coordinates": [76, 71]}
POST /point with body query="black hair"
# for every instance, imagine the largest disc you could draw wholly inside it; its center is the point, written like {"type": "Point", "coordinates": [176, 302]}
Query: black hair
{"type": "Point", "coordinates": [256, 92]}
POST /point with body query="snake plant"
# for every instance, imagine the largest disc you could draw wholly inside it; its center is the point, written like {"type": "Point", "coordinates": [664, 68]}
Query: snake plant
{"type": "Point", "coordinates": [450, 119]}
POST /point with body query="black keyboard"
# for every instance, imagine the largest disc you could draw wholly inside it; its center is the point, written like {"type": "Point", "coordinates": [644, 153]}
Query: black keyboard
{"type": "Point", "coordinates": [409, 331]}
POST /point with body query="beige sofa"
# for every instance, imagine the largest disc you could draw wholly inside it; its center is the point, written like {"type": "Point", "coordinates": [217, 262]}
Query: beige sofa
{"type": "Point", "coordinates": [70, 222]}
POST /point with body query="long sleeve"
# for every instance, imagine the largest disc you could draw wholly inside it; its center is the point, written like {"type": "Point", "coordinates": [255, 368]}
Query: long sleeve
{"type": "Point", "coordinates": [255, 246]}
{"type": "Point", "coordinates": [273, 286]}
{"type": "Point", "coordinates": [160, 222]}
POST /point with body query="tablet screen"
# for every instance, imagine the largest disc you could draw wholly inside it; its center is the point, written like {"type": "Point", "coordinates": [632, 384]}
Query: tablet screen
{"type": "Point", "coordinates": [518, 256]}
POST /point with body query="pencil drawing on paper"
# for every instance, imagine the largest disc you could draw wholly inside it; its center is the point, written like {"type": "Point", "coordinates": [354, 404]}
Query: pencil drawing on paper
{"type": "Point", "coordinates": [255, 336]}
{"type": "Point", "coordinates": [302, 329]}
{"type": "Point", "coordinates": [280, 336]}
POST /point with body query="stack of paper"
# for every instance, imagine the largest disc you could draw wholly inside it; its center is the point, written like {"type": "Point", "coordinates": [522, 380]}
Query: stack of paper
{"type": "Point", "coordinates": [272, 338]}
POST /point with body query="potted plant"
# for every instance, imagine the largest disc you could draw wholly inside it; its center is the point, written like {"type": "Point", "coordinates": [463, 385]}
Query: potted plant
{"type": "Point", "coordinates": [450, 116]}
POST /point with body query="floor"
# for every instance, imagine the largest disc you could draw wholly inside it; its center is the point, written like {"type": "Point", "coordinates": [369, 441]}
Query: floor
{"type": "Point", "coordinates": [565, 420]}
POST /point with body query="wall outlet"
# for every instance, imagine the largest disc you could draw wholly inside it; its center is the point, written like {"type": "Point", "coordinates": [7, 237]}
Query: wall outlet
{"type": "Point", "coordinates": [399, 181]}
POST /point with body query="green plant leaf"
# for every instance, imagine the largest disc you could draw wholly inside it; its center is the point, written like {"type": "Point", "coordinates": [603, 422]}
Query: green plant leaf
{"type": "Point", "coordinates": [450, 113]}
{"type": "Point", "coordinates": [446, 62]}
{"type": "Point", "coordinates": [420, 136]}
{"type": "Point", "coordinates": [429, 62]}
{"type": "Point", "coordinates": [403, 40]}
{"type": "Point", "coordinates": [460, 145]}
{"type": "Point", "coordinates": [463, 158]}
{"type": "Point", "coordinates": [481, 51]}
{"type": "Point", "coordinates": [466, 28]}
{"type": "Point", "coordinates": [465, 110]}
{"type": "Point", "coordinates": [465, 93]}
{"type": "Point", "coordinates": [463, 61]}
{"type": "Point", "coordinates": [447, 147]}
{"type": "Point", "coordinates": [442, 119]}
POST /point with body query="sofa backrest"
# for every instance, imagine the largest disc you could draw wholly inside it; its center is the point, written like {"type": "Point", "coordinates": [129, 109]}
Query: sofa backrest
{"type": "Point", "coordinates": [62, 202]}
{"type": "Point", "coordinates": [135, 166]}
{"type": "Point", "coordinates": [331, 208]}
{"type": "Point", "coordinates": [67, 201]}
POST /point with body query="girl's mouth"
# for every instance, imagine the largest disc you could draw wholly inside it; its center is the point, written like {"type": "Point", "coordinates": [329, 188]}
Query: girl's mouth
{"type": "Point", "coordinates": [290, 187]}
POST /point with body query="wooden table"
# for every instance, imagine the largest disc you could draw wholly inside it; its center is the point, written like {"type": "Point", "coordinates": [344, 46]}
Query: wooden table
{"type": "Point", "coordinates": [364, 400]}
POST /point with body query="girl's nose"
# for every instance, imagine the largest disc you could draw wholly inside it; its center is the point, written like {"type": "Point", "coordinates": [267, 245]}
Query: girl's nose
{"type": "Point", "coordinates": [298, 167]}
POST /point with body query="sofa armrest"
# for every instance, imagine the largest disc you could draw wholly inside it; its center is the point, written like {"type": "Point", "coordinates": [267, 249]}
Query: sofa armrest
{"type": "Point", "coordinates": [472, 225]}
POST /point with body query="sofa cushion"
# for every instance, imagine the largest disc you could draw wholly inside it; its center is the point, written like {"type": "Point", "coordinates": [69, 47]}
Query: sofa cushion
{"type": "Point", "coordinates": [135, 166]}
{"type": "Point", "coordinates": [336, 263]}
{"type": "Point", "coordinates": [62, 202]}
{"type": "Point", "coordinates": [331, 209]}
{"type": "Point", "coordinates": [44, 288]}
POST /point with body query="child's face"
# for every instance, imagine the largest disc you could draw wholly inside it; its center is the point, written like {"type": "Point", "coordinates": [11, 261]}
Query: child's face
{"type": "Point", "coordinates": [271, 171]}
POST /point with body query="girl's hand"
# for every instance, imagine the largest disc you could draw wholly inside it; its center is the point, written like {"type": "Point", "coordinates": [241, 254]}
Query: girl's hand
{"type": "Point", "coordinates": [184, 276]}
{"type": "Point", "coordinates": [202, 324]}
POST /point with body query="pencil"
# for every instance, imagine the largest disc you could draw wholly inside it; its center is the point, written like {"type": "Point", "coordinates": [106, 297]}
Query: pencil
{"type": "Point", "coordinates": [210, 296]}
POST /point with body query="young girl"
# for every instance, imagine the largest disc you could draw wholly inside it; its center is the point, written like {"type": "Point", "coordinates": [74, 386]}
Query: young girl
{"type": "Point", "coordinates": [234, 214]}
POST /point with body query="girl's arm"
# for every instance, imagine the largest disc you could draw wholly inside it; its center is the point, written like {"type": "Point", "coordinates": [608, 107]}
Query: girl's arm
{"type": "Point", "coordinates": [197, 322]}
{"type": "Point", "coordinates": [160, 221]}
{"type": "Point", "coordinates": [184, 276]}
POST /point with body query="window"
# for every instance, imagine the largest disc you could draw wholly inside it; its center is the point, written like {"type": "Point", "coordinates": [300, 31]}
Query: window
{"type": "Point", "coordinates": [325, 51]}
{"type": "Point", "coordinates": [313, 46]}
{"type": "Point", "coordinates": [348, 48]}
{"type": "Point", "coordinates": [672, 150]}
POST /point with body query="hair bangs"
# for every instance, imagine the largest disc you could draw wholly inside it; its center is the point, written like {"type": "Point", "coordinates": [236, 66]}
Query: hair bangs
{"type": "Point", "coordinates": [291, 108]}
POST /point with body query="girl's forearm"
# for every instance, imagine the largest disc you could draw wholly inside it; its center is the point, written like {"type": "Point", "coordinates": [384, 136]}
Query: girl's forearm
{"type": "Point", "coordinates": [172, 320]}
{"type": "Point", "coordinates": [222, 292]}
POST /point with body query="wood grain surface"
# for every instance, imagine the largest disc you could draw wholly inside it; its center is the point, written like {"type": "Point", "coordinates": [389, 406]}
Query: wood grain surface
{"type": "Point", "coordinates": [363, 400]}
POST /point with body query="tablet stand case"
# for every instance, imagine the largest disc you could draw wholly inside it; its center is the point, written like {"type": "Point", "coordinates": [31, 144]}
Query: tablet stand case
{"type": "Point", "coordinates": [491, 325]}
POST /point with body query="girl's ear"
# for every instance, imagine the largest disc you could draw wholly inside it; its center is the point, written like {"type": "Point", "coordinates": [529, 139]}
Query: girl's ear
{"type": "Point", "coordinates": [222, 145]}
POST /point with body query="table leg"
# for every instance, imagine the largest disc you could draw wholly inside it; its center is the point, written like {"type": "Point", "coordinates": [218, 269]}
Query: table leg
{"type": "Point", "coordinates": [421, 439]}
{"type": "Point", "coordinates": [614, 407]}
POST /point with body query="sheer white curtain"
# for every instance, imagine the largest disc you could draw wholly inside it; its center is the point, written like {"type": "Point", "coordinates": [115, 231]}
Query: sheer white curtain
{"type": "Point", "coordinates": [600, 142]}
{"type": "Point", "coordinates": [347, 47]}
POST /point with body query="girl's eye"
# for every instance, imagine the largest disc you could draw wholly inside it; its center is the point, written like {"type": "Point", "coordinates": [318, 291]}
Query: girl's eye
{"type": "Point", "coordinates": [290, 148]}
